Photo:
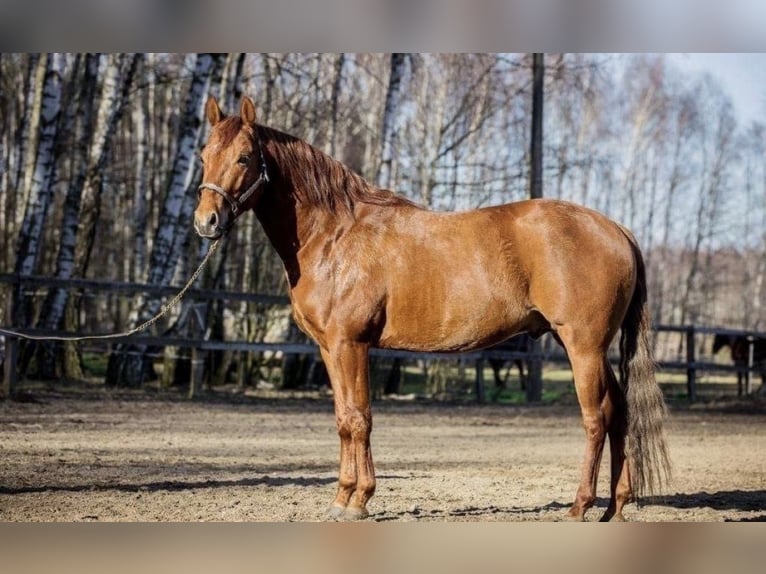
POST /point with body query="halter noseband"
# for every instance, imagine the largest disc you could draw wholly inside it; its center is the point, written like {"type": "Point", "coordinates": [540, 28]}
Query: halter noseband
{"type": "Point", "coordinates": [236, 203]}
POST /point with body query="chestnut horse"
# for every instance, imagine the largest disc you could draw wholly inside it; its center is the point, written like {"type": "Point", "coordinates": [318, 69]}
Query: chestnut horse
{"type": "Point", "coordinates": [369, 268]}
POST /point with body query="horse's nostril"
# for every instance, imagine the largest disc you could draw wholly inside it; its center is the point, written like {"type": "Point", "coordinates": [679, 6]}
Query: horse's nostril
{"type": "Point", "coordinates": [212, 219]}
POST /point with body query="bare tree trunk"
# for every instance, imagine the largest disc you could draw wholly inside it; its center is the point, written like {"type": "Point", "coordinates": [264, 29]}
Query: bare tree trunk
{"type": "Point", "coordinates": [143, 181]}
{"type": "Point", "coordinates": [231, 86]}
{"type": "Point", "coordinates": [385, 174]}
{"type": "Point", "coordinates": [270, 81]}
{"type": "Point", "coordinates": [7, 115]}
{"type": "Point", "coordinates": [386, 171]}
{"type": "Point", "coordinates": [18, 71]}
{"type": "Point", "coordinates": [334, 97]}
{"type": "Point", "coordinates": [93, 144]}
{"type": "Point", "coordinates": [29, 151]}
{"type": "Point", "coordinates": [41, 180]}
{"type": "Point", "coordinates": [42, 174]}
{"type": "Point", "coordinates": [432, 134]}
{"type": "Point", "coordinates": [26, 135]}
{"type": "Point", "coordinates": [116, 83]}
{"type": "Point", "coordinates": [129, 365]}
{"type": "Point", "coordinates": [80, 121]}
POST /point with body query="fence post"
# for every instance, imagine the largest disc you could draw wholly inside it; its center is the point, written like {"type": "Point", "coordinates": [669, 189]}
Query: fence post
{"type": "Point", "coordinates": [10, 372]}
{"type": "Point", "coordinates": [10, 376]}
{"type": "Point", "coordinates": [535, 372]}
{"type": "Point", "coordinates": [691, 366]}
{"type": "Point", "coordinates": [480, 397]}
{"type": "Point", "coordinates": [750, 361]}
{"type": "Point", "coordinates": [195, 373]}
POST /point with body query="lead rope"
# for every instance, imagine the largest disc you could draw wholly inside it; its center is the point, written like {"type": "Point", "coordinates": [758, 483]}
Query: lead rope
{"type": "Point", "coordinates": [143, 326]}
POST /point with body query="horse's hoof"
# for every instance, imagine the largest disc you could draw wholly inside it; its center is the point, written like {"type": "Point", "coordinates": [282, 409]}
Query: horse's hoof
{"type": "Point", "coordinates": [612, 516]}
{"type": "Point", "coordinates": [336, 512]}
{"type": "Point", "coordinates": [356, 513]}
{"type": "Point", "coordinates": [573, 517]}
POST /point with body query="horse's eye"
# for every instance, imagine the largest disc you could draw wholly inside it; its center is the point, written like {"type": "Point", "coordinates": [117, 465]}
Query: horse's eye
{"type": "Point", "coordinates": [244, 160]}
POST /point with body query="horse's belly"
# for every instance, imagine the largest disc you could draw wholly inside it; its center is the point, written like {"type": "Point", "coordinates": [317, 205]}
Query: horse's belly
{"type": "Point", "coordinates": [447, 328]}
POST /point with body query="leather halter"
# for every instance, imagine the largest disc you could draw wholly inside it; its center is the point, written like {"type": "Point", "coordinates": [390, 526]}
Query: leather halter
{"type": "Point", "coordinates": [236, 203]}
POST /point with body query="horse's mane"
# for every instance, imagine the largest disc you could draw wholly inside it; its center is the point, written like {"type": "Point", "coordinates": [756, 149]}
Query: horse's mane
{"type": "Point", "coordinates": [317, 179]}
{"type": "Point", "coordinates": [321, 180]}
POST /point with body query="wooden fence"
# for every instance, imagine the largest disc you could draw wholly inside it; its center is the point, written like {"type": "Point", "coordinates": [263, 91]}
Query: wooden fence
{"type": "Point", "coordinates": [15, 284]}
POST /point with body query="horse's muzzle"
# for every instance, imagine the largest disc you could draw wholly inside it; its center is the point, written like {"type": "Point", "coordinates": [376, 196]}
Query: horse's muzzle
{"type": "Point", "coordinates": [208, 225]}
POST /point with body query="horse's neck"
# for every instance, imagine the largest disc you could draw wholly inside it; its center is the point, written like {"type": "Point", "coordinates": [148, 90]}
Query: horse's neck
{"type": "Point", "coordinates": [292, 226]}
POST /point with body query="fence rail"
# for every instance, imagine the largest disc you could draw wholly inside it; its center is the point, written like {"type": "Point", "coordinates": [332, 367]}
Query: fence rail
{"type": "Point", "coordinates": [692, 365]}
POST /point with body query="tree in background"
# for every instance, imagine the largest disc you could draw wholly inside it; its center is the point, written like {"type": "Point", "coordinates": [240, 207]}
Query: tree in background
{"type": "Point", "coordinates": [129, 364]}
{"type": "Point", "coordinates": [40, 174]}
{"type": "Point", "coordinates": [93, 129]}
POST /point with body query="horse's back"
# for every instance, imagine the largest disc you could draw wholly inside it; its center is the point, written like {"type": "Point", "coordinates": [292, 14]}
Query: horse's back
{"type": "Point", "coordinates": [470, 279]}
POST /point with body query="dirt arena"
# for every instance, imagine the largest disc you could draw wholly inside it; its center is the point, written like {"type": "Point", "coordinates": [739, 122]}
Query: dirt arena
{"type": "Point", "coordinates": [98, 456]}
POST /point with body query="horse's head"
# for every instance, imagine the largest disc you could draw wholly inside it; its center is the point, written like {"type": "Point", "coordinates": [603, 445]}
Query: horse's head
{"type": "Point", "coordinates": [720, 341]}
{"type": "Point", "coordinates": [233, 169]}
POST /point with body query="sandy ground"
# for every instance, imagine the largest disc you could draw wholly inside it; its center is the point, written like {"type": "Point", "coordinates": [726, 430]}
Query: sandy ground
{"type": "Point", "coordinates": [98, 456]}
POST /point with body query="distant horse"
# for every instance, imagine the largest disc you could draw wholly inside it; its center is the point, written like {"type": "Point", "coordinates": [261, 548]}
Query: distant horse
{"type": "Point", "coordinates": [740, 350]}
{"type": "Point", "coordinates": [517, 344]}
{"type": "Point", "coordinates": [368, 268]}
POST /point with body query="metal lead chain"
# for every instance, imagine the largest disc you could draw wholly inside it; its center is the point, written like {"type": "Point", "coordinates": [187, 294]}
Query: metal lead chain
{"type": "Point", "coordinates": [143, 326]}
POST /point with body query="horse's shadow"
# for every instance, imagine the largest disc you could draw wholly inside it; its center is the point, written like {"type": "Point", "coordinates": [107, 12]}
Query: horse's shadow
{"type": "Point", "coordinates": [173, 485]}
{"type": "Point", "coordinates": [736, 500]}
{"type": "Point", "coordinates": [744, 500]}
{"type": "Point", "coordinates": [275, 478]}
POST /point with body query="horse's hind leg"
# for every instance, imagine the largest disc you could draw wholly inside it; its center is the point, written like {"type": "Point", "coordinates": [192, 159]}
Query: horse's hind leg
{"type": "Point", "coordinates": [616, 415]}
{"type": "Point", "coordinates": [590, 377]}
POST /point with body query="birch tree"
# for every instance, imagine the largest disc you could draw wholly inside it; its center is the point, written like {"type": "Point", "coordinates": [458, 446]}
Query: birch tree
{"type": "Point", "coordinates": [116, 83]}
{"type": "Point", "coordinates": [41, 171]}
{"type": "Point", "coordinates": [20, 95]}
{"type": "Point", "coordinates": [30, 127]}
{"type": "Point", "coordinates": [91, 149]}
{"type": "Point", "coordinates": [128, 364]}
{"type": "Point", "coordinates": [335, 95]}
{"type": "Point", "coordinates": [79, 121]}
{"type": "Point", "coordinates": [41, 176]}
{"type": "Point", "coordinates": [385, 176]}
{"type": "Point", "coordinates": [140, 122]}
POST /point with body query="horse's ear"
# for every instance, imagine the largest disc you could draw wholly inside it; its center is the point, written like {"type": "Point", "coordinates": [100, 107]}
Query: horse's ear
{"type": "Point", "coordinates": [247, 110]}
{"type": "Point", "coordinates": [213, 111]}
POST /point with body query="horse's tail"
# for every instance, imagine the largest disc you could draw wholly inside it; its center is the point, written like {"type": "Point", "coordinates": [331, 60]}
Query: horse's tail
{"type": "Point", "coordinates": [646, 449]}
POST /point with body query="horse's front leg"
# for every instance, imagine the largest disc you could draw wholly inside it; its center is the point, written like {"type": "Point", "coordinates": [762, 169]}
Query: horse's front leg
{"type": "Point", "coordinates": [347, 365]}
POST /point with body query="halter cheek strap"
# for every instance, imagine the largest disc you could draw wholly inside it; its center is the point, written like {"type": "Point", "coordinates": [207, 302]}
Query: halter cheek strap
{"type": "Point", "coordinates": [236, 203]}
